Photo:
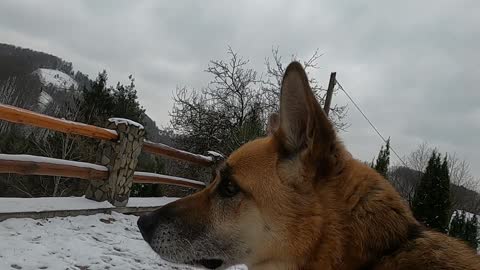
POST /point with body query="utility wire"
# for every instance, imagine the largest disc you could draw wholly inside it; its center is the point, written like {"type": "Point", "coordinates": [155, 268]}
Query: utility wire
{"type": "Point", "coordinates": [370, 122]}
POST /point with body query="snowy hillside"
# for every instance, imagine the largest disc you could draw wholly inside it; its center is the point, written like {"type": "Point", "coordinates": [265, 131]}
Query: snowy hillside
{"type": "Point", "coordinates": [55, 78]}
{"type": "Point", "coordinates": [77, 243]}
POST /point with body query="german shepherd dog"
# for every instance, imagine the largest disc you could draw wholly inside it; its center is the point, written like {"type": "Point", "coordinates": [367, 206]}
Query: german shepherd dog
{"type": "Point", "coordinates": [296, 199]}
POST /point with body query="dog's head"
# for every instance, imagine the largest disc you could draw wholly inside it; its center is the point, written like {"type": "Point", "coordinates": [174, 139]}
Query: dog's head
{"type": "Point", "coordinates": [269, 199]}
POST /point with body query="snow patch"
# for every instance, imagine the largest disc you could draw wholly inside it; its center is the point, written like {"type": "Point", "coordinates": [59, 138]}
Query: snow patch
{"type": "Point", "coordinates": [215, 154]}
{"type": "Point", "coordinates": [179, 151]}
{"type": "Point", "coordinates": [28, 158]}
{"type": "Point", "coordinates": [56, 78]}
{"type": "Point", "coordinates": [118, 121]}
{"type": "Point", "coordinates": [171, 177]}
{"type": "Point", "coordinates": [149, 201]}
{"type": "Point", "coordinates": [94, 242]}
{"type": "Point", "coordinates": [43, 204]}
{"type": "Point", "coordinates": [43, 100]}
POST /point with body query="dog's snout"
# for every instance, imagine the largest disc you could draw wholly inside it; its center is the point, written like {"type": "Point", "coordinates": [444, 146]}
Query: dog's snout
{"type": "Point", "coordinates": [146, 224]}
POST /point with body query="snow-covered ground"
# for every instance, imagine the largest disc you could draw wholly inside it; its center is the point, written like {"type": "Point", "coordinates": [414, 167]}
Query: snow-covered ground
{"type": "Point", "coordinates": [56, 78]}
{"type": "Point", "coordinates": [101, 241]}
{"type": "Point", "coordinates": [12, 205]}
{"type": "Point", "coordinates": [77, 243]}
{"type": "Point", "coordinates": [85, 242]}
{"type": "Point", "coordinates": [150, 201]}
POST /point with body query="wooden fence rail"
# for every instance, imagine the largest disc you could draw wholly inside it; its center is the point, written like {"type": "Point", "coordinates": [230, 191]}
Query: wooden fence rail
{"type": "Point", "coordinates": [26, 117]}
{"type": "Point", "coordinates": [34, 165]}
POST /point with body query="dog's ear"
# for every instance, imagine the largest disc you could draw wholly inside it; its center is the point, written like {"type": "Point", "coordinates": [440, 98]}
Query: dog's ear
{"type": "Point", "coordinates": [304, 128]}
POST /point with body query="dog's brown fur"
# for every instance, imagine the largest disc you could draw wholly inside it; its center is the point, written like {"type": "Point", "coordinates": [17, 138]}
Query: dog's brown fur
{"type": "Point", "coordinates": [305, 203]}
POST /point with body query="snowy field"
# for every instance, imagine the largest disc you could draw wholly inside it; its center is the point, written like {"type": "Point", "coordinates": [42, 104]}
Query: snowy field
{"type": "Point", "coordinates": [77, 243]}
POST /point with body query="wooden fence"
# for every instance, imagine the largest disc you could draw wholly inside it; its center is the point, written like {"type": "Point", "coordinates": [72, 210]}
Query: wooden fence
{"type": "Point", "coordinates": [35, 165]}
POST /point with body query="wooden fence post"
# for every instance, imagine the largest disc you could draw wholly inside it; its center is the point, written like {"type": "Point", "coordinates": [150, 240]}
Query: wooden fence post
{"type": "Point", "coordinates": [120, 157]}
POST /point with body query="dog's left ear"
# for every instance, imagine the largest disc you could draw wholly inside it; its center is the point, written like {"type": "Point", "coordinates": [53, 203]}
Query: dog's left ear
{"type": "Point", "coordinates": [304, 127]}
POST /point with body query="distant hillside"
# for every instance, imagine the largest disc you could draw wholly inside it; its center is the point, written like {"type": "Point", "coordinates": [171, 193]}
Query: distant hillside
{"type": "Point", "coordinates": [16, 61]}
{"type": "Point", "coordinates": [406, 180]}
{"type": "Point", "coordinates": [43, 82]}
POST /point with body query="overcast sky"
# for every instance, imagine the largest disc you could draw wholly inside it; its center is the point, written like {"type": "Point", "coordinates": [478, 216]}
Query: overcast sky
{"type": "Point", "coordinates": [413, 66]}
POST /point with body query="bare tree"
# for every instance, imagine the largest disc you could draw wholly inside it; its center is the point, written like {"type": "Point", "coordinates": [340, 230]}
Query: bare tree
{"type": "Point", "coordinates": [223, 115]}
{"type": "Point", "coordinates": [272, 82]}
{"type": "Point", "coordinates": [460, 174]}
{"type": "Point", "coordinates": [59, 145]}
{"type": "Point", "coordinates": [8, 96]}
{"type": "Point", "coordinates": [418, 159]}
{"type": "Point", "coordinates": [405, 181]}
{"type": "Point", "coordinates": [233, 87]}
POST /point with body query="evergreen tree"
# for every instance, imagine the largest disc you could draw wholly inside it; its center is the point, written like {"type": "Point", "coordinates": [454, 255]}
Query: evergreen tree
{"type": "Point", "coordinates": [383, 160]}
{"type": "Point", "coordinates": [457, 225]}
{"type": "Point", "coordinates": [471, 232]}
{"type": "Point", "coordinates": [431, 202]}
{"type": "Point", "coordinates": [98, 101]}
{"type": "Point", "coordinates": [465, 228]}
{"type": "Point", "coordinates": [101, 102]}
{"type": "Point", "coordinates": [126, 103]}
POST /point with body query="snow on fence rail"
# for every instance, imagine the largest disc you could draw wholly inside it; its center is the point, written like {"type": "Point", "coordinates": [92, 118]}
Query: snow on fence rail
{"type": "Point", "coordinates": [152, 178]}
{"type": "Point", "coordinates": [163, 149]}
{"type": "Point", "coordinates": [34, 165]}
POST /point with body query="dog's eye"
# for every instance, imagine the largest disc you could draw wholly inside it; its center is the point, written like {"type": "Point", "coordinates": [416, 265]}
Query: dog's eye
{"type": "Point", "coordinates": [228, 188]}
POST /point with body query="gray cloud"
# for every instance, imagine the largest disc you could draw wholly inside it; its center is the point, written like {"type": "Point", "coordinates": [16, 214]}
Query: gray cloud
{"type": "Point", "coordinates": [413, 66]}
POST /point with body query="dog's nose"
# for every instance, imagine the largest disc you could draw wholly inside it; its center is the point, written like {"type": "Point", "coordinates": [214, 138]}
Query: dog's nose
{"type": "Point", "coordinates": [146, 224]}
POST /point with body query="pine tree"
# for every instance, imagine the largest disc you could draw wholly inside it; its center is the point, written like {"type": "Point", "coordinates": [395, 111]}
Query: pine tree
{"type": "Point", "coordinates": [126, 103]}
{"type": "Point", "coordinates": [471, 232]}
{"type": "Point", "coordinates": [443, 200]}
{"type": "Point", "coordinates": [431, 202]}
{"type": "Point", "coordinates": [101, 102]}
{"type": "Point", "coordinates": [383, 160]}
{"type": "Point", "coordinates": [98, 102]}
{"type": "Point", "coordinates": [457, 225]}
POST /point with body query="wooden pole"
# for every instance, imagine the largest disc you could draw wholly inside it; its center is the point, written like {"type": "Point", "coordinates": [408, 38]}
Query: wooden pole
{"type": "Point", "coordinates": [328, 98]}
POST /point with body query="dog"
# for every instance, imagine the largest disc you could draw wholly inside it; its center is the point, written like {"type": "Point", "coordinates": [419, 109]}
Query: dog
{"type": "Point", "coordinates": [296, 199]}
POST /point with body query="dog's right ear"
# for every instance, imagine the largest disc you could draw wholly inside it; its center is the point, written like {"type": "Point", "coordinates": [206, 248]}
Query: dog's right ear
{"type": "Point", "coordinates": [304, 129]}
